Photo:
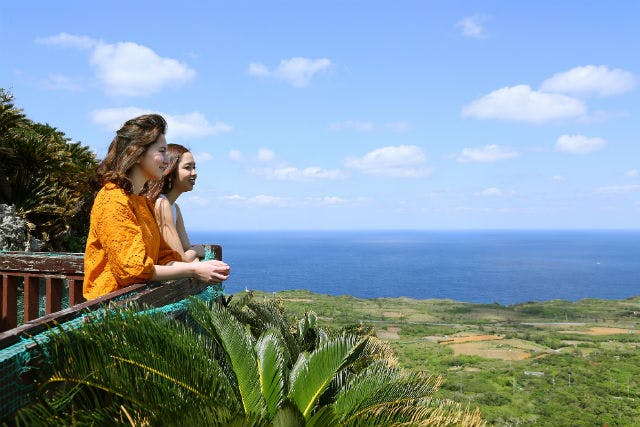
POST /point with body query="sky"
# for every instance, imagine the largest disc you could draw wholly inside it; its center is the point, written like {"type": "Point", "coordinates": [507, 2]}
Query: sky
{"type": "Point", "coordinates": [334, 115]}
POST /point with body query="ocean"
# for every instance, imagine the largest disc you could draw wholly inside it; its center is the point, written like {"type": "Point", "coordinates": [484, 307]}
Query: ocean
{"type": "Point", "coordinates": [506, 267]}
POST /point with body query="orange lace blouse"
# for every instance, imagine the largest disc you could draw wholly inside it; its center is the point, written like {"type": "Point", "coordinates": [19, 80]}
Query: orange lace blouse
{"type": "Point", "coordinates": [124, 243]}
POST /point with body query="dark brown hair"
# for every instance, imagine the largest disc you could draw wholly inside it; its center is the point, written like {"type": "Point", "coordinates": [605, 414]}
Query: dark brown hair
{"type": "Point", "coordinates": [130, 143]}
{"type": "Point", "coordinates": [164, 184]}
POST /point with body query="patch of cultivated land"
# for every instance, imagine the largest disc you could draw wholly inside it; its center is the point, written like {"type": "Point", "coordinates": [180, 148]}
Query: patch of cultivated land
{"type": "Point", "coordinates": [550, 363]}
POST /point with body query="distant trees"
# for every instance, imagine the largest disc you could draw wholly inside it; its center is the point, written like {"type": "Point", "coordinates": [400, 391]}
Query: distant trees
{"type": "Point", "coordinates": [46, 178]}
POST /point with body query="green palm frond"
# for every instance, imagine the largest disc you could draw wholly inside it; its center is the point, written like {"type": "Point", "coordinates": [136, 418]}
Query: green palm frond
{"type": "Point", "coordinates": [382, 386]}
{"type": "Point", "coordinates": [238, 344]}
{"type": "Point", "coordinates": [311, 375]}
{"type": "Point", "coordinates": [429, 412]}
{"type": "Point", "coordinates": [271, 369]}
{"type": "Point", "coordinates": [146, 362]}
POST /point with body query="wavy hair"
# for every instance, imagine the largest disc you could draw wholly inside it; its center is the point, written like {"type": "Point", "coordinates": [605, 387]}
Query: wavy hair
{"type": "Point", "coordinates": [164, 184]}
{"type": "Point", "coordinates": [130, 143]}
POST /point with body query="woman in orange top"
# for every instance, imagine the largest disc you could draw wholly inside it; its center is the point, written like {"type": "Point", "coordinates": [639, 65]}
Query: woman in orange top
{"type": "Point", "coordinates": [124, 245]}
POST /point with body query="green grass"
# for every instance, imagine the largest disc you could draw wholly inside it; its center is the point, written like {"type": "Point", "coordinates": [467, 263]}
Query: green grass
{"type": "Point", "coordinates": [578, 379]}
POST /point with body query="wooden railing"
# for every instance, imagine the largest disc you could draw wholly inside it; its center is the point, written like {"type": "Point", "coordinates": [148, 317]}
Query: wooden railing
{"type": "Point", "coordinates": [29, 269]}
{"type": "Point", "coordinates": [57, 270]}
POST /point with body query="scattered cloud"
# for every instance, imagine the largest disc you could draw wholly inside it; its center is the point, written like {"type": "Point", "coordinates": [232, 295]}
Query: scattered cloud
{"type": "Point", "coordinates": [202, 157]}
{"type": "Point", "coordinates": [126, 68]}
{"type": "Point", "coordinates": [236, 156]}
{"type": "Point", "coordinates": [396, 127]}
{"type": "Point", "coordinates": [265, 155]}
{"type": "Point", "coordinates": [263, 200]}
{"type": "Point", "coordinates": [579, 144]}
{"type": "Point", "coordinates": [290, 173]}
{"type": "Point", "coordinates": [69, 40]}
{"type": "Point", "coordinates": [618, 189]}
{"type": "Point", "coordinates": [190, 125]}
{"type": "Point", "coordinates": [62, 82]}
{"type": "Point", "coordinates": [633, 173]}
{"type": "Point", "coordinates": [297, 71]}
{"type": "Point", "coordinates": [352, 125]}
{"type": "Point", "coordinates": [402, 161]}
{"type": "Point", "coordinates": [486, 154]}
{"type": "Point", "coordinates": [473, 26]}
{"type": "Point", "coordinates": [558, 178]}
{"type": "Point", "coordinates": [490, 192]}
{"type": "Point", "coordinates": [521, 103]}
{"type": "Point", "coordinates": [591, 80]}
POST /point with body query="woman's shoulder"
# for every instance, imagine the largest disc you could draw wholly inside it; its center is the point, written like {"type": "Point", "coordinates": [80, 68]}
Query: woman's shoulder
{"type": "Point", "coordinates": [110, 192]}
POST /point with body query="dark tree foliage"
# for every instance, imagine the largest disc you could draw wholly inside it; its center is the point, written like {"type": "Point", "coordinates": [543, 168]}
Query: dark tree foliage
{"type": "Point", "coordinates": [47, 177]}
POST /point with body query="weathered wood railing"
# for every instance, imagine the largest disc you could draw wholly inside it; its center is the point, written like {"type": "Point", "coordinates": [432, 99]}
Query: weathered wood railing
{"type": "Point", "coordinates": [29, 269]}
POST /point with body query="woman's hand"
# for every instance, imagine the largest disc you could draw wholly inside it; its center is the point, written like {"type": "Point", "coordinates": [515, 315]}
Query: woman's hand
{"type": "Point", "coordinates": [211, 271]}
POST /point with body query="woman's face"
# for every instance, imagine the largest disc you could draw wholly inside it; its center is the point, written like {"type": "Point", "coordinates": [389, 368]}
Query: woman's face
{"type": "Point", "coordinates": [154, 160]}
{"type": "Point", "coordinates": [185, 175]}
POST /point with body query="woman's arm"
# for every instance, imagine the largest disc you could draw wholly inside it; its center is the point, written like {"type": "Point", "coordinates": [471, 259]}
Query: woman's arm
{"type": "Point", "coordinates": [195, 251]}
{"type": "Point", "coordinates": [169, 231]}
{"type": "Point", "coordinates": [207, 271]}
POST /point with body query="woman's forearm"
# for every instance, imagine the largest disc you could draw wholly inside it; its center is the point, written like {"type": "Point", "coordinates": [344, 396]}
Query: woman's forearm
{"type": "Point", "coordinates": [176, 270]}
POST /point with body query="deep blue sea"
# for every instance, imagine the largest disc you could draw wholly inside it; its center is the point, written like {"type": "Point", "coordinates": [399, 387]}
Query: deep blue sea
{"type": "Point", "coordinates": [507, 267]}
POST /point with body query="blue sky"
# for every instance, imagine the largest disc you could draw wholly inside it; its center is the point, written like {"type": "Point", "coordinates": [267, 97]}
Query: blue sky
{"type": "Point", "coordinates": [355, 114]}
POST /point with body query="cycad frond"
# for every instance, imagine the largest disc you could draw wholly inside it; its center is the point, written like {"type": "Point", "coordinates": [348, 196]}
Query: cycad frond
{"type": "Point", "coordinates": [383, 386]}
{"type": "Point", "coordinates": [238, 344]}
{"type": "Point", "coordinates": [271, 369]}
{"type": "Point", "coordinates": [311, 375]}
{"type": "Point", "coordinates": [427, 412]}
{"type": "Point", "coordinates": [145, 362]}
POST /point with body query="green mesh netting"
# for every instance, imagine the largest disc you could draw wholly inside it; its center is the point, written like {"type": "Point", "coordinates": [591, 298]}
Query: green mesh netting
{"type": "Point", "coordinates": [15, 392]}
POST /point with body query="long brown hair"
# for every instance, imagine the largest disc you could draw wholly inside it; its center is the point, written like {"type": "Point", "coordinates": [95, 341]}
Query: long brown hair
{"type": "Point", "coordinates": [164, 184]}
{"type": "Point", "coordinates": [130, 143]}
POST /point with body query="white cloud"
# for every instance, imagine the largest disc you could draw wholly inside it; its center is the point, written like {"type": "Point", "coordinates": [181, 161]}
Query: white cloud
{"type": "Point", "coordinates": [258, 69]}
{"type": "Point", "coordinates": [290, 173]}
{"type": "Point", "coordinates": [402, 161]}
{"type": "Point", "coordinates": [265, 155]}
{"type": "Point", "coordinates": [558, 178]}
{"type": "Point", "coordinates": [619, 189]}
{"type": "Point", "coordinates": [521, 103]}
{"type": "Point", "coordinates": [397, 127]}
{"type": "Point", "coordinates": [190, 125]}
{"type": "Point", "coordinates": [262, 200]}
{"type": "Point", "coordinates": [352, 125]}
{"type": "Point", "coordinates": [473, 26]}
{"type": "Point", "coordinates": [126, 68]}
{"type": "Point", "coordinates": [297, 71]}
{"type": "Point", "coordinates": [486, 154]}
{"type": "Point", "coordinates": [68, 40]}
{"type": "Point", "coordinates": [633, 173]}
{"type": "Point", "coordinates": [236, 156]}
{"type": "Point", "coordinates": [202, 157]}
{"type": "Point", "coordinates": [490, 192]}
{"type": "Point", "coordinates": [591, 79]}
{"type": "Point", "coordinates": [130, 69]}
{"type": "Point", "coordinates": [62, 82]}
{"type": "Point", "coordinates": [579, 144]}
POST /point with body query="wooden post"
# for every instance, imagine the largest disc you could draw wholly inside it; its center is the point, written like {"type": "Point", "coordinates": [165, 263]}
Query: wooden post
{"type": "Point", "coordinates": [54, 294]}
{"type": "Point", "coordinates": [31, 297]}
{"type": "Point", "coordinates": [75, 291]}
{"type": "Point", "coordinates": [9, 302]}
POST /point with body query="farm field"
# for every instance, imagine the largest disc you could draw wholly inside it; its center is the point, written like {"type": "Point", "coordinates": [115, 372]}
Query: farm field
{"type": "Point", "coordinates": [551, 363]}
